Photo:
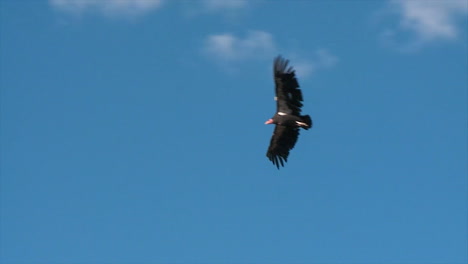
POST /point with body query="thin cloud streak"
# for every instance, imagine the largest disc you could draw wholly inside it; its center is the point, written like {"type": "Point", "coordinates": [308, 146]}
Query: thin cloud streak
{"type": "Point", "coordinates": [107, 7]}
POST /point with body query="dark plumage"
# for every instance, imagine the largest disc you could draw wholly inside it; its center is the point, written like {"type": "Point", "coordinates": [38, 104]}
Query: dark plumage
{"type": "Point", "coordinates": [288, 118]}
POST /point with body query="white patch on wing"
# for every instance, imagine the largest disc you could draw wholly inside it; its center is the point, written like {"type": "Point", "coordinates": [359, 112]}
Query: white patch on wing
{"type": "Point", "coordinates": [301, 124]}
{"type": "Point", "coordinates": [281, 113]}
{"type": "Point", "coordinates": [276, 98]}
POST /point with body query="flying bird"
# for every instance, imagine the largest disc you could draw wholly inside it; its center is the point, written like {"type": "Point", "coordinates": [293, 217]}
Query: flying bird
{"type": "Point", "coordinates": [288, 119]}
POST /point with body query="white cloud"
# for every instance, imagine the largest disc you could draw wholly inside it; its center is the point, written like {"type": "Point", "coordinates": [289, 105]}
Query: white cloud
{"type": "Point", "coordinates": [304, 68]}
{"type": "Point", "coordinates": [322, 59]}
{"type": "Point", "coordinates": [108, 7]}
{"type": "Point", "coordinates": [227, 47]}
{"type": "Point", "coordinates": [325, 59]}
{"type": "Point", "coordinates": [431, 19]}
{"type": "Point", "coordinates": [230, 49]}
{"type": "Point", "coordinates": [428, 20]}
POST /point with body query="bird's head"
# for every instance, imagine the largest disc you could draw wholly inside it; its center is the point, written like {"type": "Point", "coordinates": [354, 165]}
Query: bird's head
{"type": "Point", "coordinates": [269, 121]}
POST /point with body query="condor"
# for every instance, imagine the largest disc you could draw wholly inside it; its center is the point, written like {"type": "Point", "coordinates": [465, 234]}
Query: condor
{"type": "Point", "coordinates": [288, 119]}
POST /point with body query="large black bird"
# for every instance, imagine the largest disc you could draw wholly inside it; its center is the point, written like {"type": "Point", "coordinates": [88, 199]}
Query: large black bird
{"type": "Point", "coordinates": [288, 118]}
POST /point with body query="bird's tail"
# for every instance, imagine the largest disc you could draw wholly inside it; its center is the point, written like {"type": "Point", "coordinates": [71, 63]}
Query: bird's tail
{"type": "Point", "coordinates": [308, 121]}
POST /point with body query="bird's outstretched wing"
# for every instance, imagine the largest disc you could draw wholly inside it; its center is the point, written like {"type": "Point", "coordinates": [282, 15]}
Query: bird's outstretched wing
{"type": "Point", "coordinates": [283, 140]}
{"type": "Point", "coordinates": [288, 95]}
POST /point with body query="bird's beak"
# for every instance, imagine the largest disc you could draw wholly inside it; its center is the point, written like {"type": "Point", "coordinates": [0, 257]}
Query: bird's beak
{"type": "Point", "coordinates": [269, 121]}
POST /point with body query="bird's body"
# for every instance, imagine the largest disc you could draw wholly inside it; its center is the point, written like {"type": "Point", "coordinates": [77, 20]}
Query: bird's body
{"type": "Point", "coordinates": [291, 120]}
{"type": "Point", "coordinates": [288, 118]}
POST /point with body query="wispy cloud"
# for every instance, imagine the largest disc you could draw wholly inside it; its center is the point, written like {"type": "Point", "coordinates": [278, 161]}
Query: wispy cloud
{"type": "Point", "coordinates": [427, 20]}
{"type": "Point", "coordinates": [230, 48]}
{"type": "Point", "coordinates": [322, 59]}
{"type": "Point", "coordinates": [107, 7]}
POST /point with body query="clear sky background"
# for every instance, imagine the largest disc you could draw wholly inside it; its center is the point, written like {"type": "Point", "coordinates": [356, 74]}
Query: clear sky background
{"type": "Point", "coordinates": [132, 132]}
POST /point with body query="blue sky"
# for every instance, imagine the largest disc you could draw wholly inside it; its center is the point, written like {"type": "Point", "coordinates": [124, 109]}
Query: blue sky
{"type": "Point", "coordinates": [132, 132]}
